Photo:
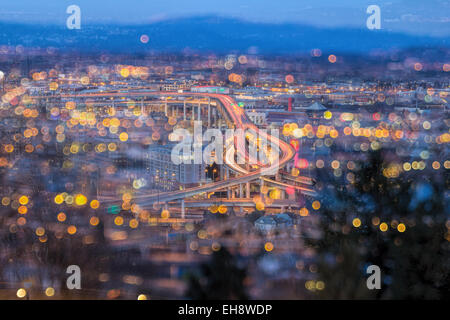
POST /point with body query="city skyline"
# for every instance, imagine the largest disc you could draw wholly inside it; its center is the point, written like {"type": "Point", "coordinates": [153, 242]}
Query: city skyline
{"type": "Point", "coordinates": [239, 150]}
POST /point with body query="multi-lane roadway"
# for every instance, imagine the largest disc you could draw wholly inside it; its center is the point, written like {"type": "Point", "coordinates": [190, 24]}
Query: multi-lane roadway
{"type": "Point", "coordinates": [241, 121]}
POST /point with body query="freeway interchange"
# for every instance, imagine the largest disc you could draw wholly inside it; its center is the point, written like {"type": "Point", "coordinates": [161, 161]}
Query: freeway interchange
{"type": "Point", "coordinates": [240, 120]}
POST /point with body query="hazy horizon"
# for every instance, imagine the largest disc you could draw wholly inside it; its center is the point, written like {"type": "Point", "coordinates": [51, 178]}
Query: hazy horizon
{"type": "Point", "coordinates": [412, 17]}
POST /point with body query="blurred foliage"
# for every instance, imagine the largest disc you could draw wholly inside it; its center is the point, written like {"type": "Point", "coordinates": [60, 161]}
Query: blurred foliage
{"type": "Point", "coordinates": [219, 279]}
{"type": "Point", "coordinates": [414, 264]}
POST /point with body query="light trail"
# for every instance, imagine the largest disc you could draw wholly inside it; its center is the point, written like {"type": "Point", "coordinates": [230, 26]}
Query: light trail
{"type": "Point", "coordinates": [240, 121]}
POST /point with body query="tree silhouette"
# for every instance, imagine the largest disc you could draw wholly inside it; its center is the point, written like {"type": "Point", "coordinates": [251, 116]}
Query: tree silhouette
{"type": "Point", "coordinates": [413, 251]}
{"type": "Point", "coordinates": [219, 279]}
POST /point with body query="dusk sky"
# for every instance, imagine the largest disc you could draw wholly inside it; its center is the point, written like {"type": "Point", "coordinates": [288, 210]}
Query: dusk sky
{"type": "Point", "coordinates": [409, 16]}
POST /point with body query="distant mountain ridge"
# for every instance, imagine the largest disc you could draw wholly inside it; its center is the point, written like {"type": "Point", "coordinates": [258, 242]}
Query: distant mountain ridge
{"type": "Point", "coordinates": [210, 34]}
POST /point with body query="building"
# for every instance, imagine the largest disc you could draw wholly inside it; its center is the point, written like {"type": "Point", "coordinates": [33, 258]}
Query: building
{"type": "Point", "coordinates": [177, 85]}
{"type": "Point", "coordinates": [168, 174]}
{"type": "Point", "coordinates": [210, 89]}
{"type": "Point", "coordinates": [315, 110]}
{"type": "Point", "coordinates": [270, 223]}
{"type": "Point", "coordinates": [258, 118]}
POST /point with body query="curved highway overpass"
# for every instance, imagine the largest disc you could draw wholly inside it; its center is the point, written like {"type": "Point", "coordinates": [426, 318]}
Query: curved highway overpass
{"type": "Point", "coordinates": [241, 121]}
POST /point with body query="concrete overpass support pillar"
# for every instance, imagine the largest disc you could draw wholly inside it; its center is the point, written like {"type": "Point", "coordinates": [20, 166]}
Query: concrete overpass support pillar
{"type": "Point", "coordinates": [261, 186]}
{"type": "Point", "coordinates": [247, 185]}
{"type": "Point", "coordinates": [184, 110]}
{"type": "Point", "coordinates": [202, 173]}
{"type": "Point", "coordinates": [199, 112]}
{"type": "Point", "coordinates": [166, 109]}
{"type": "Point", "coordinates": [241, 191]}
{"type": "Point", "coordinates": [209, 113]}
{"type": "Point", "coordinates": [183, 210]}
